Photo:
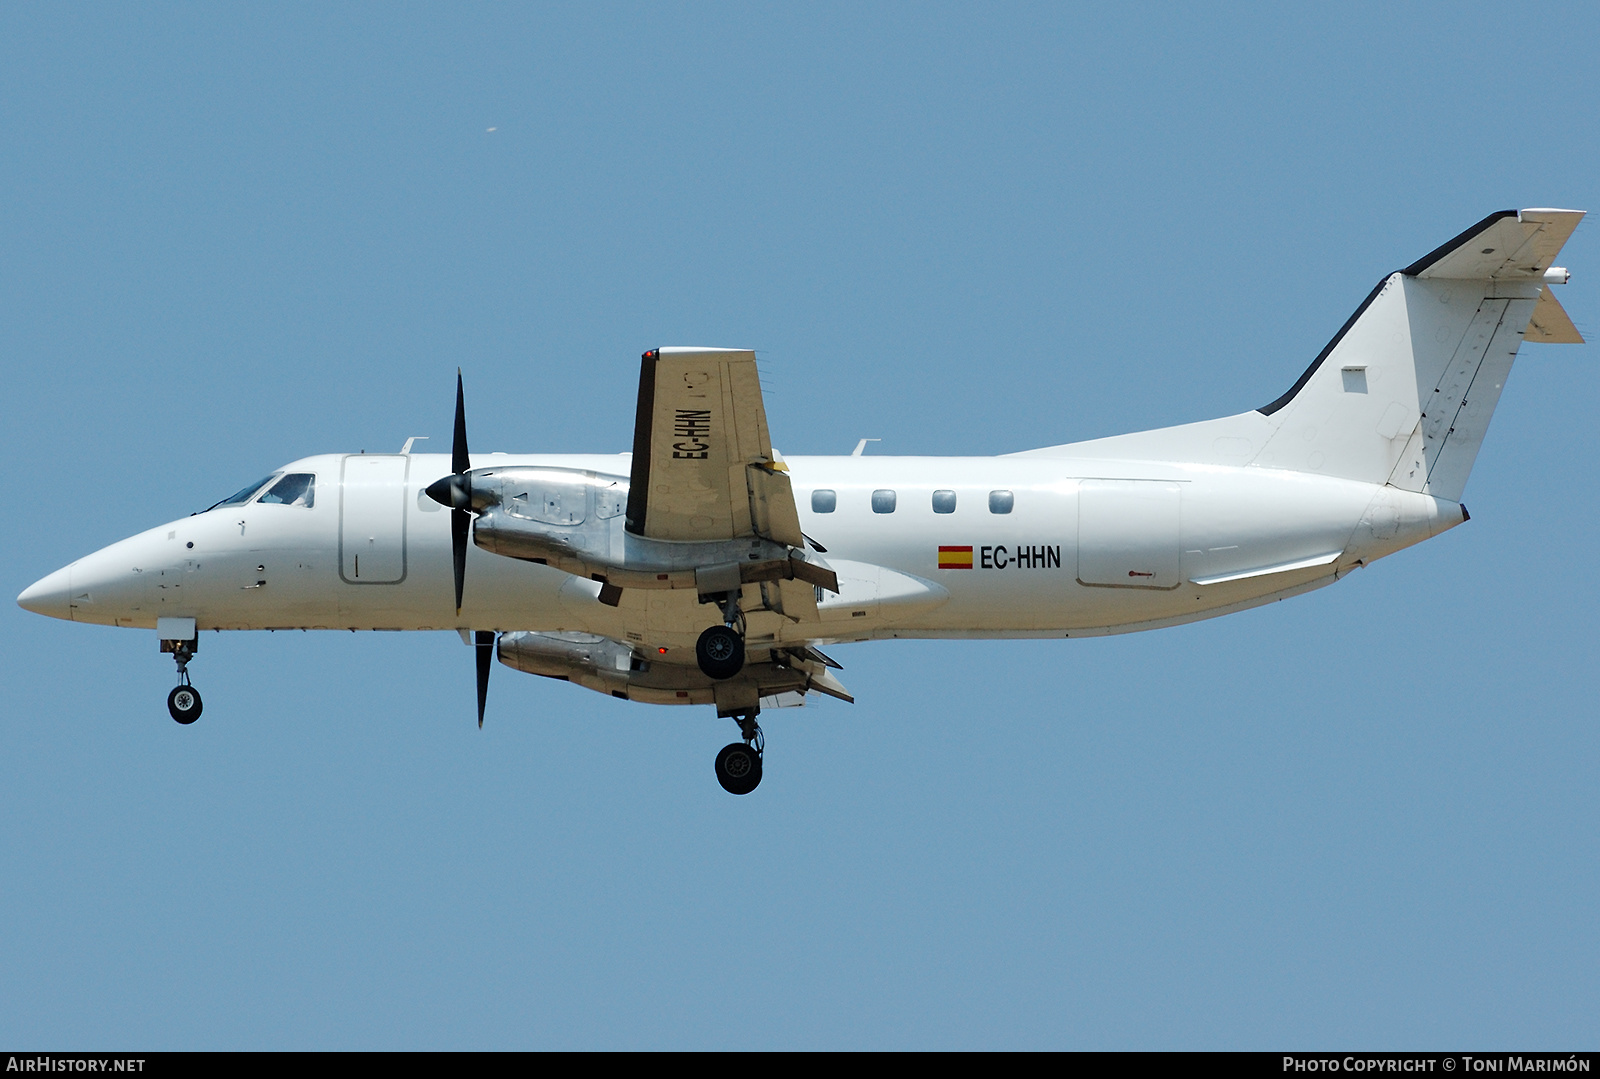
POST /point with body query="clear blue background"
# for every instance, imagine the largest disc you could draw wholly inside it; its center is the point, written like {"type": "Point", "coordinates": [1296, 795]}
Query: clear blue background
{"type": "Point", "coordinates": [1365, 817]}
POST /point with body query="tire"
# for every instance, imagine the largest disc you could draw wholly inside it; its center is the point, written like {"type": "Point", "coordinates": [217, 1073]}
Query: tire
{"type": "Point", "coordinates": [720, 652]}
{"type": "Point", "coordinates": [184, 704]}
{"type": "Point", "coordinates": [738, 768]}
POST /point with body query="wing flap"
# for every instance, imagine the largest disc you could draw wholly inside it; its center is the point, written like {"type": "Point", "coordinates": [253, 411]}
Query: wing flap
{"type": "Point", "coordinates": [772, 509]}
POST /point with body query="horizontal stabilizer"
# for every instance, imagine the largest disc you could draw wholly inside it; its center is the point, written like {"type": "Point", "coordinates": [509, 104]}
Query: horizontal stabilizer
{"type": "Point", "coordinates": [1550, 323]}
{"type": "Point", "coordinates": [1511, 244]}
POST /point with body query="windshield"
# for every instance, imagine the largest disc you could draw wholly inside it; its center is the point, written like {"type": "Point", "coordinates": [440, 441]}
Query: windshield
{"type": "Point", "coordinates": [244, 495]}
{"type": "Point", "coordinates": [295, 489]}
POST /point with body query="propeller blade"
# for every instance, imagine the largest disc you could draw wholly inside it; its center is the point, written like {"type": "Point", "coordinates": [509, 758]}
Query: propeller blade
{"type": "Point", "coordinates": [455, 491]}
{"type": "Point", "coordinates": [460, 463]}
{"type": "Point", "coordinates": [460, 525]}
{"type": "Point", "coordinates": [485, 642]}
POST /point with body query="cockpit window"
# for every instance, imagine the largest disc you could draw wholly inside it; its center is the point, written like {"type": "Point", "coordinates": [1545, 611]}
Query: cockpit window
{"type": "Point", "coordinates": [295, 489]}
{"type": "Point", "coordinates": [244, 495]}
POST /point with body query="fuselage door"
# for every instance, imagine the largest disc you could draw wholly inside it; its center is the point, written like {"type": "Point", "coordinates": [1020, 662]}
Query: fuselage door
{"type": "Point", "coordinates": [372, 519]}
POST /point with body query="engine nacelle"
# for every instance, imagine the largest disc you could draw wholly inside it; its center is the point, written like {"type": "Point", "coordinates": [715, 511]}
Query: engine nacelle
{"type": "Point", "coordinates": [608, 666]}
{"type": "Point", "coordinates": [574, 520]}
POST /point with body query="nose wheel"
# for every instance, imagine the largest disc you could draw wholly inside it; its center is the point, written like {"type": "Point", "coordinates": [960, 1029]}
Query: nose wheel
{"type": "Point", "coordinates": [739, 763]}
{"type": "Point", "coordinates": [184, 701]}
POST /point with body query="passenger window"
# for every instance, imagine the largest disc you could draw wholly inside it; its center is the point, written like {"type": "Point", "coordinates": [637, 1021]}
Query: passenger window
{"type": "Point", "coordinates": [882, 501]}
{"type": "Point", "coordinates": [295, 489]}
{"type": "Point", "coordinates": [824, 501]}
{"type": "Point", "coordinates": [944, 502]}
{"type": "Point", "coordinates": [1001, 501]}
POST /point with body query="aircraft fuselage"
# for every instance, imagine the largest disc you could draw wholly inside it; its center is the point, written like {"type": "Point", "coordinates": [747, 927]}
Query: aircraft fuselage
{"type": "Point", "coordinates": [1032, 547]}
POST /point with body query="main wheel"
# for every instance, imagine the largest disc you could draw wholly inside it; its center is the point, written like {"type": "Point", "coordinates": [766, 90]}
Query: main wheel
{"type": "Point", "coordinates": [720, 652]}
{"type": "Point", "coordinates": [184, 704]}
{"type": "Point", "coordinates": [738, 768]}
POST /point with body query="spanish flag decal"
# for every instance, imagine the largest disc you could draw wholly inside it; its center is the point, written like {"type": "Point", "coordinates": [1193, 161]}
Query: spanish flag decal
{"type": "Point", "coordinates": [955, 557]}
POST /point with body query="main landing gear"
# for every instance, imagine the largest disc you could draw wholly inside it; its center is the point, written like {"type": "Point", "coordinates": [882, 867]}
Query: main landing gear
{"type": "Point", "coordinates": [720, 649]}
{"type": "Point", "coordinates": [720, 652]}
{"type": "Point", "coordinates": [739, 763]}
{"type": "Point", "coordinates": [184, 701]}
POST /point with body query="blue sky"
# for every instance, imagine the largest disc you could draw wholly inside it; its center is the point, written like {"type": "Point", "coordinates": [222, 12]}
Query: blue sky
{"type": "Point", "coordinates": [1364, 817]}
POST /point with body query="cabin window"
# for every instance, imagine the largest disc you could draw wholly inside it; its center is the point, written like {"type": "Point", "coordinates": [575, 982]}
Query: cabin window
{"type": "Point", "coordinates": [944, 502]}
{"type": "Point", "coordinates": [295, 489]}
{"type": "Point", "coordinates": [1001, 501]}
{"type": "Point", "coordinates": [882, 501]}
{"type": "Point", "coordinates": [824, 501]}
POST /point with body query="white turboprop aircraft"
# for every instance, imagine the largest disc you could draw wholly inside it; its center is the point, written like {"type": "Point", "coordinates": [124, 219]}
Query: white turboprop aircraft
{"type": "Point", "coordinates": [686, 572]}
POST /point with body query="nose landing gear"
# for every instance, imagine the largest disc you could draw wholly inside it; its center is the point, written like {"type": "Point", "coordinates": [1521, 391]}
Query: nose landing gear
{"type": "Point", "coordinates": [739, 763]}
{"type": "Point", "coordinates": [184, 704]}
{"type": "Point", "coordinates": [184, 701]}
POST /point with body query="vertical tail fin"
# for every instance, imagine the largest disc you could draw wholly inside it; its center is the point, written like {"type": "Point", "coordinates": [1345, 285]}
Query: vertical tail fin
{"type": "Point", "coordinates": [1404, 392]}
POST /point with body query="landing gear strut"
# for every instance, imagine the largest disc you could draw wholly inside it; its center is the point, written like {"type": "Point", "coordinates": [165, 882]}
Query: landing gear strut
{"type": "Point", "coordinates": [720, 649]}
{"type": "Point", "coordinates": [739, 763]}
{"type": "Point", "coordinates": [184, 701]}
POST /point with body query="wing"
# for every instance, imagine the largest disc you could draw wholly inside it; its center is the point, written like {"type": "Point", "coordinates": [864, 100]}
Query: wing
{"type": "Point", "coordinates": [703, 465]}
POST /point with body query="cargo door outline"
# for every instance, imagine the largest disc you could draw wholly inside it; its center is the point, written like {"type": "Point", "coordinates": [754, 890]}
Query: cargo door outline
{"type": "Point", "coordinates": [1129, 533]}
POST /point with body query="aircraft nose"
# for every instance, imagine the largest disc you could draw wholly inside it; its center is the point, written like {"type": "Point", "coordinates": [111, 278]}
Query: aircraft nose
{"type": "Point", "coordinates": [49, 595]}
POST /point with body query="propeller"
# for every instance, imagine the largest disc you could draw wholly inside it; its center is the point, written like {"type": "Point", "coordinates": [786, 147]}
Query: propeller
{"type": "Point", "coordinates": [455, 492]}
{"type": "Point", "coordinates": [484, 640]}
